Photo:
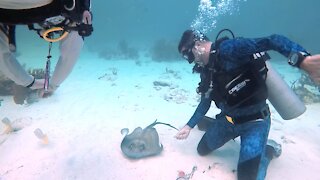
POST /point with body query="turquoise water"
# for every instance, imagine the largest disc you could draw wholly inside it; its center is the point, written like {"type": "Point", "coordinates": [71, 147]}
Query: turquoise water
{"type": "Point", "coordinates": [142, 23]}
{"type": "Point", "coordinates": [112, 87]}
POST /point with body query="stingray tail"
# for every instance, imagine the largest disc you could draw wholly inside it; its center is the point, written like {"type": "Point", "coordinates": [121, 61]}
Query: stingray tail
{"type": "Point", "coordinates": [155, 123]}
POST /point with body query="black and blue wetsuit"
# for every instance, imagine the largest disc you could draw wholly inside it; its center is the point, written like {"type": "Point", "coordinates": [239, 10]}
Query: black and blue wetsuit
{"type": "Point", "coordinates": [234, 54]}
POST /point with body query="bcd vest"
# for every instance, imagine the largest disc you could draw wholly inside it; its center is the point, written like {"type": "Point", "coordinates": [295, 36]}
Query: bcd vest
{"type": "Point", "coordinates": [240, 87]}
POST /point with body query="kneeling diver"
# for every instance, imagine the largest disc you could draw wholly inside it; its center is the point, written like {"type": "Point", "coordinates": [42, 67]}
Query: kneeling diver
{"type": "Point", "coordinates": [70, 20]}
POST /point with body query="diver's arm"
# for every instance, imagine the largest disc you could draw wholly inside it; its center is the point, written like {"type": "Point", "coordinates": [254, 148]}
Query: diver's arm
{"type": "Point", "coordinates": [198, 115]}
{"type": "Point", "coordinates": [237, 48]}
{"type": "Point", "coordinates": [10, 66]}
{"type": "Point", "coordinates": [281, 44]}
{"type": "Point", "coordinates": [240, 47]}
{"type": "Point", "coordinates": [200, 112]}
{"type": "Point", "coordinates": [70, 49]}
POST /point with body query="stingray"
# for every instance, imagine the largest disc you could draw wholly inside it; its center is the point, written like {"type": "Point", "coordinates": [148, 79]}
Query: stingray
{"type": "Point", "coordinates": [142, 142]}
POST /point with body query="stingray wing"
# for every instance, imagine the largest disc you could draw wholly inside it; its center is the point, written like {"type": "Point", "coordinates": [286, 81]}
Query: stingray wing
{"type": "Point", "coordinates": [151, 137]}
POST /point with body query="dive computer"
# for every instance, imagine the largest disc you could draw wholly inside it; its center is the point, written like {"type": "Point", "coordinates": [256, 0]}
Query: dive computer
{"type": "Point", "coordinates": [296, 58]}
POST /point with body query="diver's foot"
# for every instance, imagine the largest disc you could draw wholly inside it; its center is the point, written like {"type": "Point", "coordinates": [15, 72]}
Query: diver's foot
{"type": "Point", "coordinates": [273, 149]}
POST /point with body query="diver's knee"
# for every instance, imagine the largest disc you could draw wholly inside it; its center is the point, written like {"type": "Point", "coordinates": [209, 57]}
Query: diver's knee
{"type": "Point", "coordinates": [203, 149]}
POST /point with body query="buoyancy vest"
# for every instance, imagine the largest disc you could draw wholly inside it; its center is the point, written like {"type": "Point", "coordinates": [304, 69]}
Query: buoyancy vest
{"type": "Point", "coordinates": [242, 86]}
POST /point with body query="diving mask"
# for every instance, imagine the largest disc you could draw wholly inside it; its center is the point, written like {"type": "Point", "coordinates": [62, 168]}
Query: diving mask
{"type": "Point", "coordinates": [188, 54]}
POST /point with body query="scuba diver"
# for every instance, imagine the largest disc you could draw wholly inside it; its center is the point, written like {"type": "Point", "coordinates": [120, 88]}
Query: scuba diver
{"type": "Point", "coordinates": [67, 21]}
{"type": "Point", "coordinates": [233, 74]}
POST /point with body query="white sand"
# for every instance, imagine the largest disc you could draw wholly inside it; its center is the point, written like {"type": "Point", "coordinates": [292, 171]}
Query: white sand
{"type": "Point", "coordinates": [84, 117]}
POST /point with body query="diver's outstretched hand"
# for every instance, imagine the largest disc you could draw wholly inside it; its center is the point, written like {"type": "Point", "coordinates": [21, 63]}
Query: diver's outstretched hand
{"type": "Point", "coordinates": [311, 64]}
{"type": "Point", "coordinates": [183, 133]}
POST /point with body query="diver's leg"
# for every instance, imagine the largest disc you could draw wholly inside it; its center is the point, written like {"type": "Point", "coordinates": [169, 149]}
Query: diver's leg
{"type": "Point", "coordinates": [9, 65]}
{"type": "Point", "coordinates": [220, 132]}
{"type": "Point", "coordinates": [272, 150]}
{"type": "Point", "coordinates": [70, 49]}
{"type": "Point", "coordinates": [253, 141]}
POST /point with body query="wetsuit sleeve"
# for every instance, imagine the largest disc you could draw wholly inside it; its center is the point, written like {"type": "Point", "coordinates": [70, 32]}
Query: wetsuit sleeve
{"type": "Point", "coordinates": [200, 112]}
{"type": "Point", "coordinates": [235, 49]}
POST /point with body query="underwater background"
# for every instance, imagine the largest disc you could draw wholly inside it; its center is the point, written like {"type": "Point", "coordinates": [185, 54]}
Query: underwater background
{"type": "Point", "coordinates": [129, 27]}
{"type": "Point", "coordinates": [142, 30]}
{"type": "Point", "coordinates": [129, 74]}
{"type": "Point", "coordinates": [141, 22]}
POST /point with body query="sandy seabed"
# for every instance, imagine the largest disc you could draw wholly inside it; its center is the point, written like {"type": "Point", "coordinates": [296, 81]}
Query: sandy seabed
{"type": "Point", "coordinates": [83, 119]}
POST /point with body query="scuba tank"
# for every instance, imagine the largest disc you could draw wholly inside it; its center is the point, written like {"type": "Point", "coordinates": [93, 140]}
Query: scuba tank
{"type": "Point", "coordinates": [282, 97]}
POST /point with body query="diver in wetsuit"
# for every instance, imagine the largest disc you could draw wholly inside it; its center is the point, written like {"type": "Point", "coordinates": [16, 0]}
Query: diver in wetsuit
{"type": "Point", "coordinates": [72, 17]}
{"type": "Point", "coordinates": [233, 74]}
